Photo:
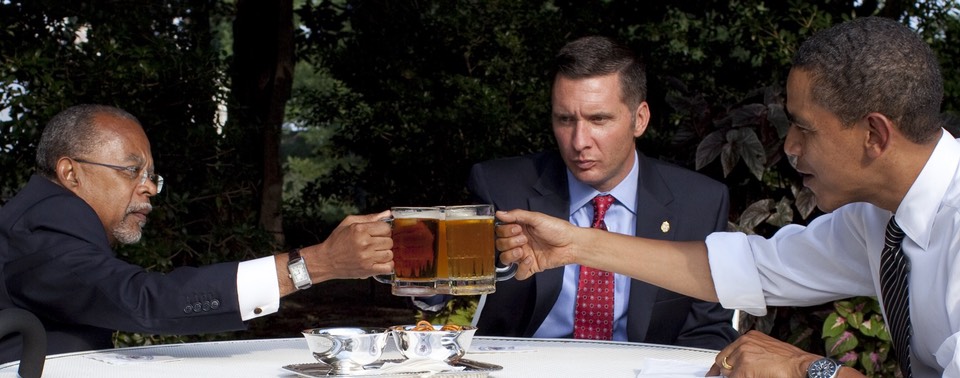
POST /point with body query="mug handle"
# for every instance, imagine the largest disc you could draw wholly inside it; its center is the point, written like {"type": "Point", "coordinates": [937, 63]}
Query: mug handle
{"type": "Point", "coordinates": [385, 278]}
{"type": "Point", "coordinates": [506, 272]}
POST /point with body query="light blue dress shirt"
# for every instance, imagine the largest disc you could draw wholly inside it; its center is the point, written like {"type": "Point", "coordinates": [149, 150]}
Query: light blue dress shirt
{"type": "Point", "coordinates": [620, 218]}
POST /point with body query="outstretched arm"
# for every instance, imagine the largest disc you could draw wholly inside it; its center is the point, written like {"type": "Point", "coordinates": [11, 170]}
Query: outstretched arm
{"type": "Point", "coordinates": [538, 241]}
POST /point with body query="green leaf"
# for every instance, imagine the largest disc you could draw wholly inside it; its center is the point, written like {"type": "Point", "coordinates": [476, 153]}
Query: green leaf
{"type": "Point", "coordinates": [840, 344]}
{"type": "Point", "coordinates": [855, 319]}
{"type": "Point", "coordinates": [834, 325]}
{"type": "Point", "coordinates": [844, 308]}
{"type": "Point", "coordinates": [872, 326]}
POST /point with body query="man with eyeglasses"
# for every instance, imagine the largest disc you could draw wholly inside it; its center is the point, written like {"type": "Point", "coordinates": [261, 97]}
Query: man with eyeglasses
{"type": "Point", "coordinates": [92, 191]}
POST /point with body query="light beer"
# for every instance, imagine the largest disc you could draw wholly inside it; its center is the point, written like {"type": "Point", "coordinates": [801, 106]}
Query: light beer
{"type": "Point", "coordinates": [471, 254]}
{"type": "Point", "coordinates": [470, 247]}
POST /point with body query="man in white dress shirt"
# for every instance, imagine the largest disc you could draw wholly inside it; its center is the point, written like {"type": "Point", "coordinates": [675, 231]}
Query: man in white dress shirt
{"type": "Point", "coordinates": [866, 133]}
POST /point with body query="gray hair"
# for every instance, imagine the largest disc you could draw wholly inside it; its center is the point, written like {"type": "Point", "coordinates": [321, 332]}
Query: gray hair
{"type": "Point", "coordinates": [72, 133]}
{"type": "Point", "coordinates": [874, 64]}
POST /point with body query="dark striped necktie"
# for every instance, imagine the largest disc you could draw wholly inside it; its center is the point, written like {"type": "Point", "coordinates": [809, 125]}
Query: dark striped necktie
{"type": "Point", "coordinates": [894, 272]}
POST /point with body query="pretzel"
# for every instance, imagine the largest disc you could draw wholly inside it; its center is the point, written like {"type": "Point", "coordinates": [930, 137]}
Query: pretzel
{"type": "Point", "coordinates": [451, 327]}
{"type": "Point", "coordinates": [424, 325]}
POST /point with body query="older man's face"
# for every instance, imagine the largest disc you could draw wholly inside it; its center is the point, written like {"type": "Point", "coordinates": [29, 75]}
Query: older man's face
{"type": "Point", "coordinates": [118, 197]}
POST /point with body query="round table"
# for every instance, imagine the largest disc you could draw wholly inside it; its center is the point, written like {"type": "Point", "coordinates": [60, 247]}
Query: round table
{"type": "Point", "coordinates": [519, 357]}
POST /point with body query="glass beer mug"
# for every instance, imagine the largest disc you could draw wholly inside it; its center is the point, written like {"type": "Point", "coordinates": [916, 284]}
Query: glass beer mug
{"type": "Point", "coordinates": [444, 250]}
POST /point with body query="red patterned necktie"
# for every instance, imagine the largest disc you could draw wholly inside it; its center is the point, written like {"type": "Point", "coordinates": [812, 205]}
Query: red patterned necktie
{"type": "Point", "coordinates": [593, 315]}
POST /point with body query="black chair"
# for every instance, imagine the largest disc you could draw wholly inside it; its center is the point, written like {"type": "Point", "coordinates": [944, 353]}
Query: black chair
{"type": "Point", "coordinates": [16, 320]}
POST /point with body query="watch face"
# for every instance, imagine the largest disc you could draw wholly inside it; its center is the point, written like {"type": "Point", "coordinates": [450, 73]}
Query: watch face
{"type": "Point", "coordinates": [298, 273]}
{"type": "Point", "coordinates": [823, 368]}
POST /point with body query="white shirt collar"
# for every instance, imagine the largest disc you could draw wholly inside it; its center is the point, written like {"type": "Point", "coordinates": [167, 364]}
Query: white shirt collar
{"type": "Point", "coordinates": [919, 207]}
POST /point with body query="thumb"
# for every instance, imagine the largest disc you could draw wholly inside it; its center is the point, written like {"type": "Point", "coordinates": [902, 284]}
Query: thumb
{"type": "Point", "coordinates": [374, 217]}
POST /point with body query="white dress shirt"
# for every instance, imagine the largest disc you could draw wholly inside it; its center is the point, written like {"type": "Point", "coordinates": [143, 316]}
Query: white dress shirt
{"type": "Point", "coordinates": [620, 218]}
{"type": "Point", "coordinates": [838, 256]}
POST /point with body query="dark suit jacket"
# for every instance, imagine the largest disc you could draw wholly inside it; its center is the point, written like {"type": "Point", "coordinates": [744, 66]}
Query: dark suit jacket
{"type": "Point", "coordinates": [56, 262]}
{"type": "Point", "coordinates": [693, 204]}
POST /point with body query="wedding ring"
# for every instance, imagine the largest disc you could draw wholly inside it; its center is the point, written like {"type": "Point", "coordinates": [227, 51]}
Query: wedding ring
{"type": "Point", "coordinates": [725, 364]}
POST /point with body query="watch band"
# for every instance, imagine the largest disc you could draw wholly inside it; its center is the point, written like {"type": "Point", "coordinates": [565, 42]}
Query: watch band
{"type": "Point", "coordinates": [297, 268]}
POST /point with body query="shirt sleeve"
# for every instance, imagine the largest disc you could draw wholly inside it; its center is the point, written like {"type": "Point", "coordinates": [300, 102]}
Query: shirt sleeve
{"type": "Point", "coordinates": [797, 266]}
{"type": "Point", "coordinates": [948, 356]}
{"type": "Point", "coordinates": [734, 273]}
{"type": "Point", "coordinates": [258, 289]}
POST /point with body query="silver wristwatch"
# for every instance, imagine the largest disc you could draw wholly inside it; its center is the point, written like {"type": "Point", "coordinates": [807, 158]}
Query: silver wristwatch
{"type": "Point", "coordinates": [824, 368]}
{"type": "Point", "coordinates": [298, 270]}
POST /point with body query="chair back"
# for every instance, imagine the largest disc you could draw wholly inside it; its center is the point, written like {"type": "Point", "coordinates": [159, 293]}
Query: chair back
{"type": "Point", "coordinates": [16, 320]}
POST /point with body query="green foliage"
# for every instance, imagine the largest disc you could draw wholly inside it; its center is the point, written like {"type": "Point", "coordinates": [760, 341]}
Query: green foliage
{"type": "Point", "coordinates": [854, 334]}
{"type": "Point", "coordinates": [459, 311]}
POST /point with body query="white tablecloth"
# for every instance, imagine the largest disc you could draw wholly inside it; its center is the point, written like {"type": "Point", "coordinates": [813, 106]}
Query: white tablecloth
{"type": "Point", "coordinates": [264, 358]}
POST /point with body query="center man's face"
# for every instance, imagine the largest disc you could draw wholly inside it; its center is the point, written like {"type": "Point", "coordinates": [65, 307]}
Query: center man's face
{"type": "Point", "coordinates": [595, 130]}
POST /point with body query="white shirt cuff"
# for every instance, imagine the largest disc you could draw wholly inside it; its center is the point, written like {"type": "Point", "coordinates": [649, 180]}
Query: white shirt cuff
{"type": "Point", "coordinates": [258, 289]}
{"type": "Point", "coordinates": [735, 273]}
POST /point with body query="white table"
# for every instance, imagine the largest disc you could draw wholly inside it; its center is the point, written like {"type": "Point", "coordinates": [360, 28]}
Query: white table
{"type": "Point", "coordinates": [265, 357]}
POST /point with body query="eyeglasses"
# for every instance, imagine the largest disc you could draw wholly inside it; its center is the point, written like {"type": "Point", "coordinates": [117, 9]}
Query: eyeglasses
{"type": "Point", "coordinates": [133, 171]}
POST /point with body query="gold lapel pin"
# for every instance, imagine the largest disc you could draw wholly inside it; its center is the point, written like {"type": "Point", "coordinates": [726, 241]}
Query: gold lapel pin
{"type": "Point", "coordinates": [665, 227]}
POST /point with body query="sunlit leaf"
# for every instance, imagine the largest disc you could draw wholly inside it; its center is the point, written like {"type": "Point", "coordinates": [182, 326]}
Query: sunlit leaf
{"type": "Point", "coordinates": [844, 308]}
{"type": "Point", "coordinates": [840, 344]}
{"type": "Point", "coordinates": [834, 325]}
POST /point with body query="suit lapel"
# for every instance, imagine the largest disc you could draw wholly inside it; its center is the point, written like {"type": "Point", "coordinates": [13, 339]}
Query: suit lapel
{"type": "Point", "coordinates": [653, 217]}
{"type": "Point", "coordinates": [554, 200]}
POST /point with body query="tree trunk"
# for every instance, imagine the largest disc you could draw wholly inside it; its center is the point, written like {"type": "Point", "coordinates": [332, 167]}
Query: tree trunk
{"type": "Point", "coordinates": [262, 80]}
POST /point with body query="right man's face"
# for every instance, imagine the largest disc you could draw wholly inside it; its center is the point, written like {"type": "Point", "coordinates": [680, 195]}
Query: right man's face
{"type": "Point", "coordinates": [827, 153]}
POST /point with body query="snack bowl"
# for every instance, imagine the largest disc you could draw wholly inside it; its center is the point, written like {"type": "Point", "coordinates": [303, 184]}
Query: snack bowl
{"type": "Point", "coordinates": [346, 349]}
{"type": "Point", "coordinates": [437, 344]}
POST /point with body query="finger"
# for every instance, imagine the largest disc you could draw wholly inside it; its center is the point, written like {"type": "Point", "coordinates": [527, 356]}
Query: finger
{"type": "Point", "coordinates": [714, 371]}
{"type": "Point", "coordinates": [507, 230]}
{"type": "Point", "coordinates": [510, 256]}
{"type": "Point", "coordinates": [382, 268]}
{"type": "Point", "coordinates": [506, 244]}
{"type": "Point", "coordinates": [376, 217]}
{"type": "Point", "coordinates": [505, 216]}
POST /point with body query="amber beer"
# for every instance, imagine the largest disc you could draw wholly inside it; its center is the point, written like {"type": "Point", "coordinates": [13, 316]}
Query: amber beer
{"type": "Point", "coordinates": [470, 249]}
{"type": "Point", "coordinates": [416, 242]}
